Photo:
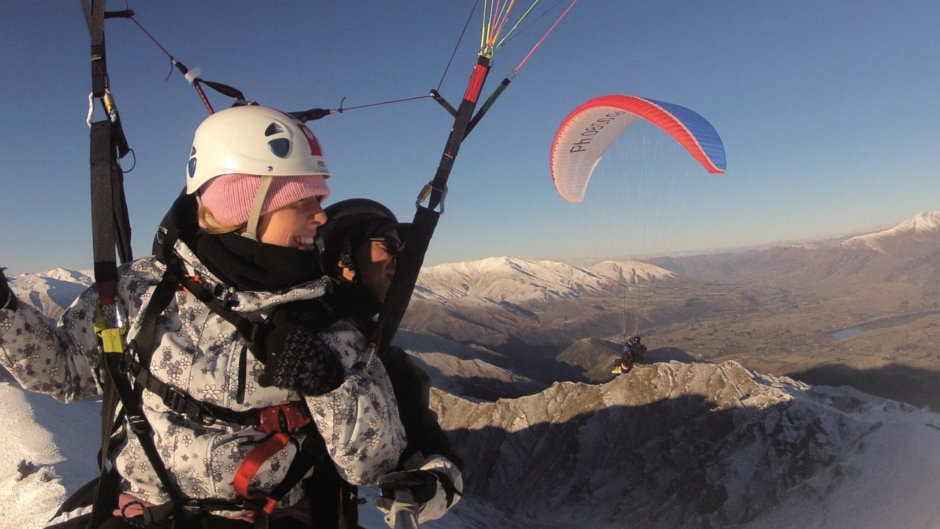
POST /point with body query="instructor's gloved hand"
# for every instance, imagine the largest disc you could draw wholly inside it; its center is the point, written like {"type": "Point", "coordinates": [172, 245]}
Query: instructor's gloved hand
{"type": "Point", "coordinates": [296, 358]}
{"type": "Point", "coordinates": [422, 494]}
{"type": "Point", "coordinates": [7, 297]}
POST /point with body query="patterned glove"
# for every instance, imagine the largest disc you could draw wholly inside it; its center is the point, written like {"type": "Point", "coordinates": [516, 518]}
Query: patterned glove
{"type": "Point", "coordinates": [7, 297]}
{"type": "Point", "coordinates": [296, 358]}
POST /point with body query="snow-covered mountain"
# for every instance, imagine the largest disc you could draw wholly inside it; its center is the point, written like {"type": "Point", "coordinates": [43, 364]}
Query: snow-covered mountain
{"type": "Point", "coordinates": [924, 224]}
{"type": "Point", "coordinates": [501, 301]}
{"type": "Point", "coordinates": [51, 292]}
{"type": "Point", "coordinates": [924, 221]}
{"type": "Point", "coordinates": [509, 279]}
{"type": "Point", "coordinates": [907, 251]}
{"type": "Point", "coordinates": [504, 279]}
{"type": "Point", "coordinates": [695, 445]}
{"type": "Point", "coordinates": [493, 280]}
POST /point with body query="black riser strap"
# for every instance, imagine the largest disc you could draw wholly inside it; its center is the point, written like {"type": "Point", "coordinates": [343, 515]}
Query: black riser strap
{"type": "Point", "coordinates": [406, 274]}
{"type": "Point", "coordinates": [102, 204]}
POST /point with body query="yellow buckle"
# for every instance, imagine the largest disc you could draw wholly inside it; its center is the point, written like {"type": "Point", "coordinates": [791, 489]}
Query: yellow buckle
{"type": "Point", "coordinates": [111, 333]}
{"type": "Point", "coordinates": [112, 340]}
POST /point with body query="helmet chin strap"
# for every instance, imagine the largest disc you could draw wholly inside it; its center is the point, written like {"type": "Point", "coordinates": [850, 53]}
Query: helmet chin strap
{"type": "Point", "coordinates": [251, 230]}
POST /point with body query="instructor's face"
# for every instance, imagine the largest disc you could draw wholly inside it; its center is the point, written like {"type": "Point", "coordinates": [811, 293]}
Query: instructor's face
{"type": "Point", "coordinates": [377, 261]}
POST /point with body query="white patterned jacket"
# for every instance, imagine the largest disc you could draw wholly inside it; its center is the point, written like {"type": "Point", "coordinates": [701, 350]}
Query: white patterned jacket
{"type": "Point", "coordinates": [197, 351]}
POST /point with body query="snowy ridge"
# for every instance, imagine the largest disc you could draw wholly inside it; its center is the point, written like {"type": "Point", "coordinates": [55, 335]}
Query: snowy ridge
{"type": "Point", "coordinates": [692, 445]}
{"type": "Point", "coordinates": [509, 279]}
{"type": "Point", "coordinates": [923, 222]}
{"type": "Point", "coordinates": [53, 291]}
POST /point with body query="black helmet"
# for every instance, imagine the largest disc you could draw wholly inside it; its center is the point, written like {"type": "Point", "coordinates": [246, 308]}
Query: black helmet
{"type": "Point", "coordinates": [350, 223]}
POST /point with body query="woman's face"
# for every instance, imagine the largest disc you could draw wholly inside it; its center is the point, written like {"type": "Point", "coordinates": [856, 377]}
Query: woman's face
{"type": "Point", "coordinates": [293, 226]}
{"type": "Point", "coordinates": [376, 265]}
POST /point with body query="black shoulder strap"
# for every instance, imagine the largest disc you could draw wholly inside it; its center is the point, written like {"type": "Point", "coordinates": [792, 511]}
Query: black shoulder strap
{"type": "Point", "coordinates": [143, 342]}
{"type": "Point", "coordinates": [251, 330]}
{"type": "Point", "coordinates": [116, 368]}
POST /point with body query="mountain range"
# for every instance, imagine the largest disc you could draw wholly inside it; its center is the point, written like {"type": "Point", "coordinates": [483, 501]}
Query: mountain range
{"type": "Point", "coordinates": [740, 415]}
{"type": "Point", "coordinates": [862, 310]}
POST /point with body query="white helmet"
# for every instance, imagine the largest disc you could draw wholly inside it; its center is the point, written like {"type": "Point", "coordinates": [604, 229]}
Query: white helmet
{"type": "Point", "coordinates": [252, 140]}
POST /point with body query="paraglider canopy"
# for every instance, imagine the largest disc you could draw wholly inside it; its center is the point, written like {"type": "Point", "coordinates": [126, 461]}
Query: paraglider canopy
{"type": "Point", "coordinates": [585, 135]}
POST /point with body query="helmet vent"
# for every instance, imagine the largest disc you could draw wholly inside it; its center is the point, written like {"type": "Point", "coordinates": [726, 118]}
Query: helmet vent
{"type": "Point", "coordinates": [280, 147]}
{"type": "Point", "coordinates": [273, 129]}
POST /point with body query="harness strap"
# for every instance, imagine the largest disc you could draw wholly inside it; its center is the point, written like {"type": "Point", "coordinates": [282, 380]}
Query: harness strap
{"type": "Point", "coordinates": [290, 417]}
{"type": "Point", "coordinates": [207, 412]}
{"type": "Point", "coordinates": [178, 400]}
{"type": "Point", "coordinates": [115, 365]}
{"type": "Point", "coordinates": [312, 452]}
{"type": "Point", "coordinates": [253, 462]}
{"type": "Point", "coordinates": [138, 423]}
{"type": "Point", "coordinates": [110, 229]}
{"type": "Point", "coordinates": [143, 516]}
{"type": "Point", "coordinates": [252, 331]}
{"type": "Point", "coordinates": [143, 342]}
{"type": "Point", "coordinates": [279, 420]}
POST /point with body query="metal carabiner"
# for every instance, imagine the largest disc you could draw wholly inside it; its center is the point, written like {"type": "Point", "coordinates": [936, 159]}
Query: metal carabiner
{"type": "Point", "coordinates": [426, 192]}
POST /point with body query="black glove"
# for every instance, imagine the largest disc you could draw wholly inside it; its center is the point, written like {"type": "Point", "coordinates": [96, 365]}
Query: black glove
{"type": "Point", "coordinates": [7, 297]}
{"type": "Point", "coordinates": [421, 483]}
{"type": "Point", "coordinates": [411, 497]}
{"type": "Point", "coordinates": [296, 358]}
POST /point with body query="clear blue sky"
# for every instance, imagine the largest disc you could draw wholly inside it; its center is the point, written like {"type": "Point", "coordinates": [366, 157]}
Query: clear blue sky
{"type": "Point", "coordinates": [828, 111]}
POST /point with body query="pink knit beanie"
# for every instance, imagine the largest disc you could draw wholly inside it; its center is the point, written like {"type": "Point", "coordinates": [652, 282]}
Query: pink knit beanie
{"type": "Point", "coordinates": [229, 197]}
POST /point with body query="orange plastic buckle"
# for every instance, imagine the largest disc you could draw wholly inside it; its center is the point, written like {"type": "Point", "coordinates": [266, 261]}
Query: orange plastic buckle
{"type": "Point", "coordinates": [284, 418]}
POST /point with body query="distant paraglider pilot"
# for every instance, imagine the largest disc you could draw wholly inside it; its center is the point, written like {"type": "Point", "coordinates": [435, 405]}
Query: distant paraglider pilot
{"type": "Point", "coordinates": [633, 352]}
{"type": "Point", "coordinates": [637, 349]}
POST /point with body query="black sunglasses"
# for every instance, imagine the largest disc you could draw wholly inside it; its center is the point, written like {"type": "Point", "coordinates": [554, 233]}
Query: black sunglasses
{"type": "Point", "coordinates": [390, 244]}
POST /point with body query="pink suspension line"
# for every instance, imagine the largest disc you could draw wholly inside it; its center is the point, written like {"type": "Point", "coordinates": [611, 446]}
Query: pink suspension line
{"type": "Point", "coordinates": [539, 43]}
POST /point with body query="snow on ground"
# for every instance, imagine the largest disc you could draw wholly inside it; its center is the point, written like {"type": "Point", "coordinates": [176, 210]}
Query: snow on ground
{"type": "Point", "coordinates": [29, 485]}
{"type": "Point", "coordinates": [892, 480]}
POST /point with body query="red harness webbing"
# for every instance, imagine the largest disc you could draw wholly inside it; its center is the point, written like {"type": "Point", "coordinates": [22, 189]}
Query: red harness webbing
{"type": "Point", "coordinates": [278, 420]}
